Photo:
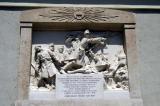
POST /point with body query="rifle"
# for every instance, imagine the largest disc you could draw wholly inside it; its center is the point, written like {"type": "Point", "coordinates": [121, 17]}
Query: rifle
{"type": "Point", "coordinates": [36, 71]}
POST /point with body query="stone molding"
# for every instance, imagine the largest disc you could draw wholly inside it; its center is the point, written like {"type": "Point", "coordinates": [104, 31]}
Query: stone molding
{"type": "Point", "coordinates": [99, 19]}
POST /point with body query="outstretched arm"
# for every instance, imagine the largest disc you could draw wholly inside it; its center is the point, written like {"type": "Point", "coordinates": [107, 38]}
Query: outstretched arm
{"type": "Point", "coordinates": [97, 40]}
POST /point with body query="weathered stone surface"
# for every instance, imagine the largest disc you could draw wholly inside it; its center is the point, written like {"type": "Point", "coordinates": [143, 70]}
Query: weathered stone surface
{"type": "Point", "coordinates": [72, 103]}
{"type": "Point", "coordinates": [77, 14]}
{"type": "Point", "coordinates": [111, 22]}
{"type": "Point", "coordinates": [103, 102]}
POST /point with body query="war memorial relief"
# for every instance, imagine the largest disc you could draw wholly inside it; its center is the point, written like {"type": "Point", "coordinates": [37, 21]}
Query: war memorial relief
{"type": "Point", "coordinates": [78, 55]}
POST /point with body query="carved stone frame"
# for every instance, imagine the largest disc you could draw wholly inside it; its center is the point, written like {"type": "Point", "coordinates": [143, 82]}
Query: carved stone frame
{"type": "Point", "coordinates": [78, 18]}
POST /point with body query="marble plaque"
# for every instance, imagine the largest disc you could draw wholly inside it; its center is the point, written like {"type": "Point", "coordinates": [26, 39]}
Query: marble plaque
{"type": "Point", "coordinates": [79, 86]}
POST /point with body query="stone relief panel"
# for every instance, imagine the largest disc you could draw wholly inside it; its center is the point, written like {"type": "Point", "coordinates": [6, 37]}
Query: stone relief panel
{"type": "Point", "coordinates": [78, 52]}
{"type": "Point", "coordinates": [77, 14]}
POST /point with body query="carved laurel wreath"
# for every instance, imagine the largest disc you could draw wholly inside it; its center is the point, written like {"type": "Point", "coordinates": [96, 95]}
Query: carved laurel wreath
{"type": "Point", "coordinates": [77, 14]}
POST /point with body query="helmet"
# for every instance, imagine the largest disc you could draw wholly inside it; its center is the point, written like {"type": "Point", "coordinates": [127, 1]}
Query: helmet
{"type": "Point", "coordinates": [86, 31]}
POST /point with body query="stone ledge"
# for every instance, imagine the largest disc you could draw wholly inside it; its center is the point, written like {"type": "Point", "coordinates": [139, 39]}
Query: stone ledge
{"type": "Point", "coordinates": [120, 102]}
